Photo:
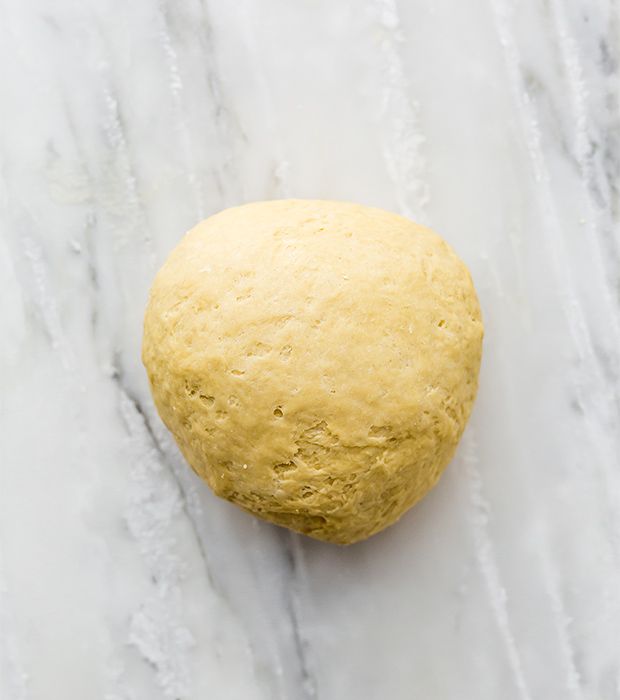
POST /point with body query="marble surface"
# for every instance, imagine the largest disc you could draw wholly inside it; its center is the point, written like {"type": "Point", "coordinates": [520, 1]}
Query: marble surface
{"type": "Point", "coordinates": [123, 123]}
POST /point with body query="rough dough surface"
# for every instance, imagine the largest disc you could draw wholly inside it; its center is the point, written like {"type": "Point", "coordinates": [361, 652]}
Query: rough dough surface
{"type": "Point", "coordinates": [316, 361]}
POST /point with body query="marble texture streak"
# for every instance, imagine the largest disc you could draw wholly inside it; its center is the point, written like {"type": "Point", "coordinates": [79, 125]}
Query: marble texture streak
{"type": "Point", "coordinates": [498, 123]}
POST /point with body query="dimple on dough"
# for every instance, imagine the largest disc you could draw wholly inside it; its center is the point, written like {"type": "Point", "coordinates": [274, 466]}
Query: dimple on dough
{"type": "Point", "coordinates": [316, 361]}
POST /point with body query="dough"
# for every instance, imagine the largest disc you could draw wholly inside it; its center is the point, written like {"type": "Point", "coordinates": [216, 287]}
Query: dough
{"type": "Point", "coordinates": [316, 361]}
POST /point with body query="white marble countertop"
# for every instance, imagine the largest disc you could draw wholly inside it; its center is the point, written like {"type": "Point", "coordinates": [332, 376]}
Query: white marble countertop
{"type": "Point", "coordinates": [123, 123]}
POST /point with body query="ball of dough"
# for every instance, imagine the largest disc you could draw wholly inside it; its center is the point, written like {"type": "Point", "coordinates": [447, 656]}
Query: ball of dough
{"type": "Point", "coordinates": [316, 361]}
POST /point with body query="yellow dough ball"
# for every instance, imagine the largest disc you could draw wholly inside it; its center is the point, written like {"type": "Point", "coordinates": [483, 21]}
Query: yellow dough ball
{"type": "Point", "coordinates": [316, 361]}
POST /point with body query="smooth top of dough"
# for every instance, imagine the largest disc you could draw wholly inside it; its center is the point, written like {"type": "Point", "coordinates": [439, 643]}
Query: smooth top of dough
{"type": "Point", "coordinates": [316, 361]}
